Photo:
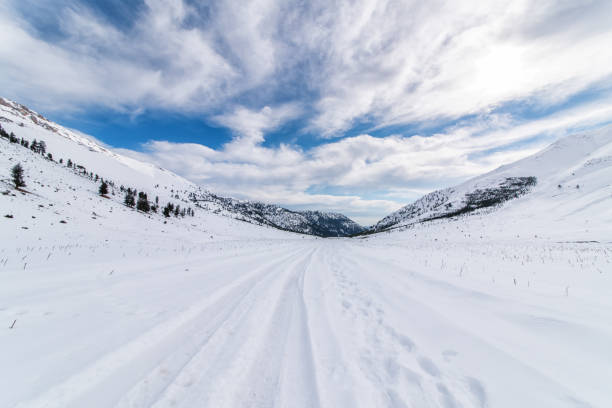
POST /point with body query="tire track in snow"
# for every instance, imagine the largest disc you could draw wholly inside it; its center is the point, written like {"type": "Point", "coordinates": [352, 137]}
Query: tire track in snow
{"type": "Point", "coordinates": [300, 377]}
{"type": "Point", "coordinates": [283, 373]}
{"type": "Point", "coordinates": [75, 389]}
{"type": "Point", "coordinates": [152, 387]}
{"type": "Point", "coordinates": [335, 370]}
{"type": "Point", "coordinates": [298, 383]}
{"type": "Point", "coordinates": [230, 367]}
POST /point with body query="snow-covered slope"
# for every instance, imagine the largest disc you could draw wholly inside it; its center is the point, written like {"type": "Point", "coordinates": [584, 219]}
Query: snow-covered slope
{"type": "Point", "coordinates": [567, 181]}
{"type": "Point", "coordinates": [84, 150]}
{"type": "Point", "coordinates": [94, 157]}
{"type": "Point", "coordinates": [62, 204]}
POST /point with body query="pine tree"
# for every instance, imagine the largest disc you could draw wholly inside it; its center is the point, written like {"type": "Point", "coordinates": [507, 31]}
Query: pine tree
{"type": "Point", "coordinates": [17, 174]}
{"type": "Point", "coordinates": [103, 188]}
{"type": "Point", "coordinates": [69, 164]}
{"type": "Point", "coordinates": [129, 199]}
{"type": "Point", "coordinates": [168, 210]}
{"type": "Point", "coordinates": [177, 209]}
{"type": "Point", "coordinates": [143, 202]}
{"type": "Point", "coordinates": [34, 146]}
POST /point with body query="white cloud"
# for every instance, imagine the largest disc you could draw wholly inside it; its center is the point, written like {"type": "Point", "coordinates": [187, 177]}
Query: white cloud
{"type": "Point", "coordinates": [254, 66]}
{"type": "Point", "coordinates": [159, 64]}
{"type": "Point", "coordinates": [383, 61]}
{"type": "Point", "coordinates": [399, 64]}
{"type": "Point", "coordinates": [251, 125]}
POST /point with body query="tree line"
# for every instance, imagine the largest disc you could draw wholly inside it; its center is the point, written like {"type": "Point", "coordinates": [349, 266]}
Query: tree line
{"type": "Point", "coordinates": [132, 197]}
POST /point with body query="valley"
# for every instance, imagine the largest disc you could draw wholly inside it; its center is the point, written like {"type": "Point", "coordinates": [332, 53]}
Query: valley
{"type": "Point", "coordinates": [103, 305]}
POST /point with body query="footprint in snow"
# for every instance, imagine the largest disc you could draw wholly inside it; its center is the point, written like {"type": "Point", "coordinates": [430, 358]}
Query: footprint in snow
{"type": "Point", "coordinates": [429, 366]}
{"type": "Point", "coordinates": [478, 391]}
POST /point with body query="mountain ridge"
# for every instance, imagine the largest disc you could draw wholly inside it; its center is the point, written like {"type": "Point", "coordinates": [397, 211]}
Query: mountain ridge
{"type": "Point", "coordinates": [551, 179]}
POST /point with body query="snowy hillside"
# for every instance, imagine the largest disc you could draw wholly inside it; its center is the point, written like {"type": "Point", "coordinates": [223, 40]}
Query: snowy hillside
{"type": "Point", "coordinates": [93, 157]}
{"type": "Point", "coordinates": [59, 201]}
{"type": "Point", "coordinates": [570, 179]}
{"type": "Point", "coordinates": [84, 150]}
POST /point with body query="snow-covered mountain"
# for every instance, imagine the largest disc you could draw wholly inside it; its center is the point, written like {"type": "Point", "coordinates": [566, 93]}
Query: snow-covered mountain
{"type": "Point", "coordinates": [93, 157]}
{"type": "Point", "coordinates": [331, 223]}
{"type": "Point", "coordinates": [308, 222]}
{"type": "Point", "coordinates": [569, 178]}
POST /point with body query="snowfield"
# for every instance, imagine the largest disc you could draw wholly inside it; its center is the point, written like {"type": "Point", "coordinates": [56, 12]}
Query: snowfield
{"type": "Point", "coordinates": [305, 322]}
{"type": "Point", "coordinates": [112, 307]}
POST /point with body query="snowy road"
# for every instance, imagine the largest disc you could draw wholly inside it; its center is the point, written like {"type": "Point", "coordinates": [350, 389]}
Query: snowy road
{"type": "Point", "coordinates": [330, 323]}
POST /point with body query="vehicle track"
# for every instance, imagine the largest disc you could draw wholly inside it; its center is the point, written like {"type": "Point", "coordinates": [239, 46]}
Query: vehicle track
{"type": "Point", "coordinates": [166, 336]}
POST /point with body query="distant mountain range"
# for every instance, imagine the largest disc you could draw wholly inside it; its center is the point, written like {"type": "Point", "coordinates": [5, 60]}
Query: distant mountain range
{"type": "Point", "coordinates": [323, 224]}
{"type": "Point", "coordinates": [569, 180]}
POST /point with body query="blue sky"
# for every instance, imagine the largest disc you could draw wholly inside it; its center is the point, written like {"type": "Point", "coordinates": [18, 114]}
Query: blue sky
{"type": "Point", "coordinates": [354, 106]}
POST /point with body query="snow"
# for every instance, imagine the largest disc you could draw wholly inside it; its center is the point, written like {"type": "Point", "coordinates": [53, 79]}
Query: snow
{"type": "Point", "coordinates": [504, 308]}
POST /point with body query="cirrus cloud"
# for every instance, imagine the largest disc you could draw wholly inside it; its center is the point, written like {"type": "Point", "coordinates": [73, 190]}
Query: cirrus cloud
{"type": "Point", "coordinates": [392, 97]}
